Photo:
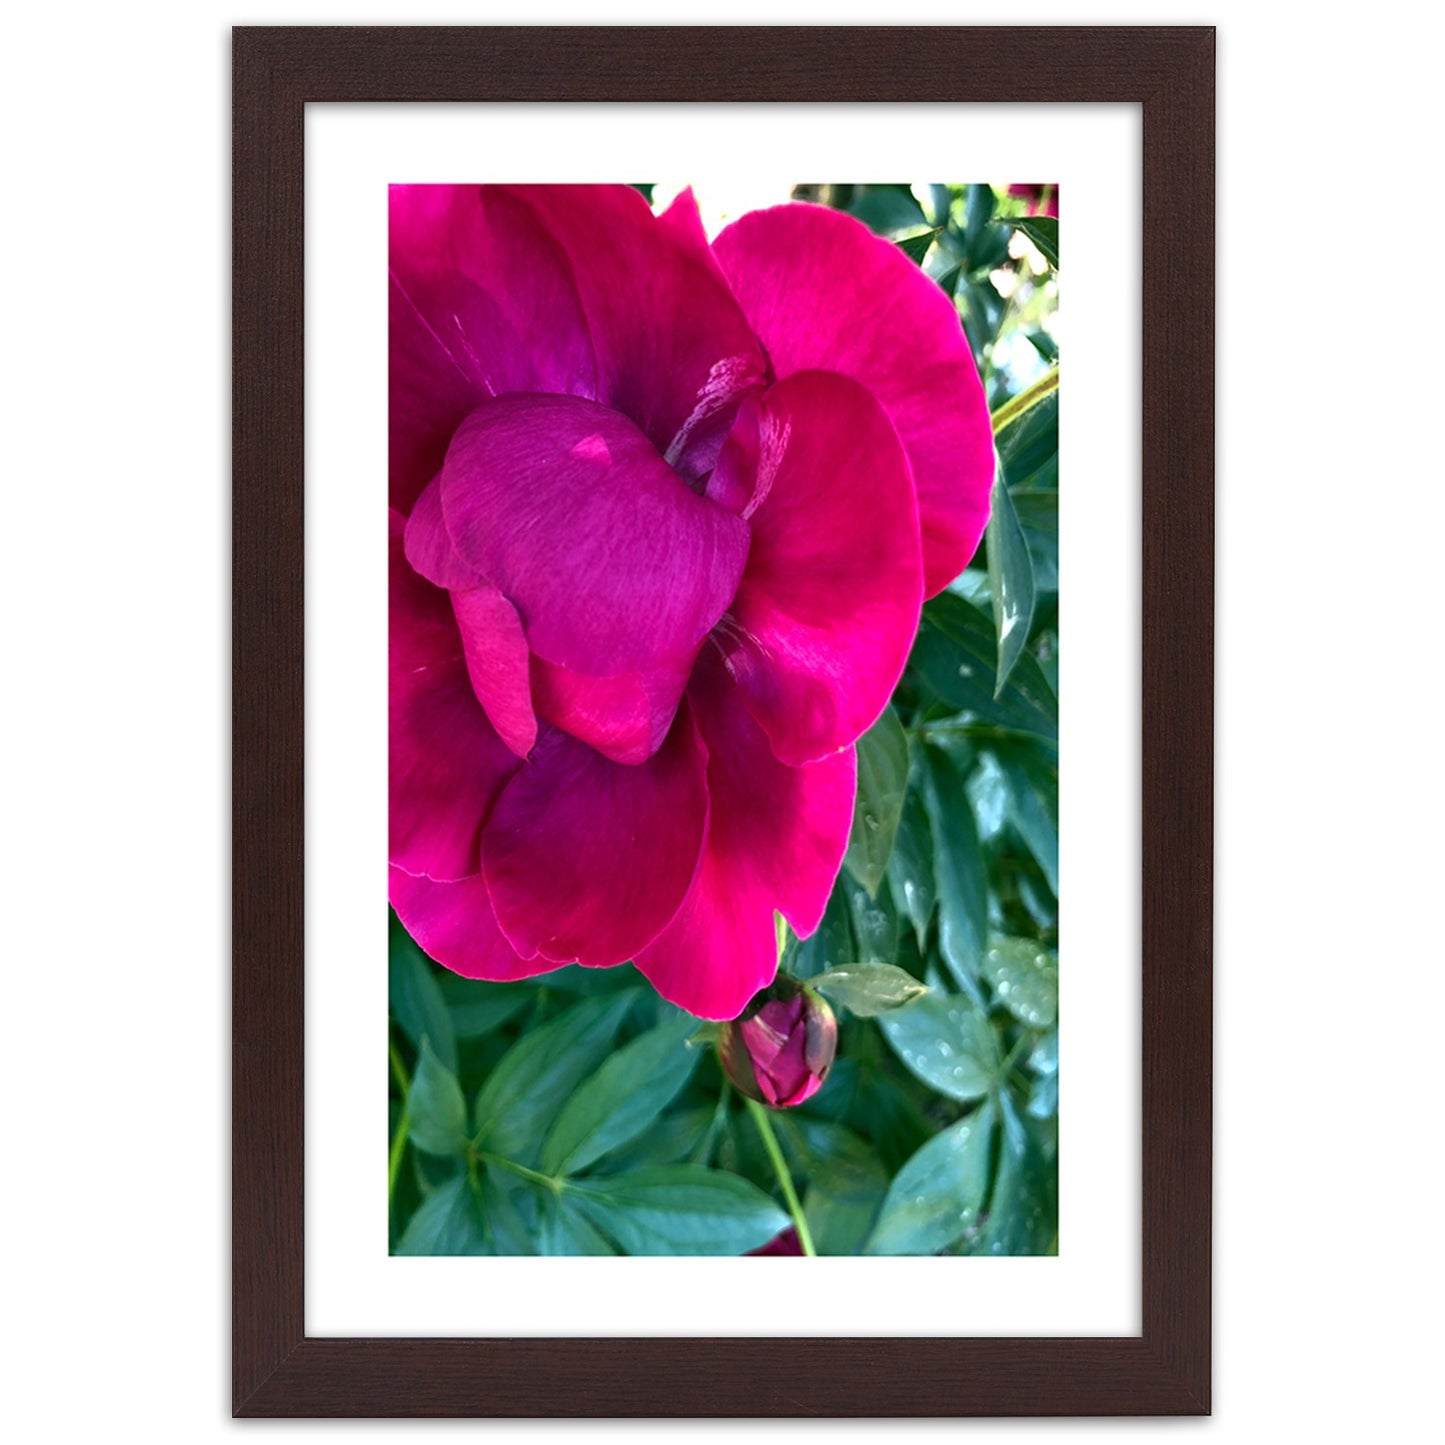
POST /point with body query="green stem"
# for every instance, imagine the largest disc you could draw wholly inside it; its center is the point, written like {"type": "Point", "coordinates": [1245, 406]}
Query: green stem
{"type": "Point", "coordinates": [403, 1124]}
{"type": "Point", "coordinates": [1026, 400]}
{"type": "Point", "coordinates": [780, 1168]}
{"type": "Point", "coordinates": [545, 1181]}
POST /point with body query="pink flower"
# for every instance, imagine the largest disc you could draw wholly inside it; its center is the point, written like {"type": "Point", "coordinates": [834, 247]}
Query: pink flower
{"type": "Point", "coordinates": [663, 515]}
{"type": "Point", "coordinates": [781, 1049]}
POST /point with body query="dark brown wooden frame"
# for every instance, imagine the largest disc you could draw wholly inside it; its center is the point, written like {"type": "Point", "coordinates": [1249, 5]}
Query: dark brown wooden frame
{"type": "Point", "coordinates": [277, 1370]}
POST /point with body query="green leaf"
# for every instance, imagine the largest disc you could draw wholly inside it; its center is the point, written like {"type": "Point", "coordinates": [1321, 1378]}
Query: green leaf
{"type": "Point", "coordinates": [875, 923]}
{"type": "Point", "coordinates": [679, 1209]}
{"type": "Point", "coordinates": [478, 1007]}
{"type": "Point", "coordinates": [1010, 581]}
{"type": "Point", "coordinates": [417, 1003]}
{"type": "Point", "coordinates": [886, 209]}
{"type": "Point", "coordinates": [910, 865]}
{"type": "Point", "coordinates": [1033, 780]}
{"type": "Point", "coordinates": [934, 1199]}
{"type": "Point", "coordinates": [916, 247]}
{"type": "Point", "coordinates": [622, 1098]}
{"type": "Point", "coordinates": [672, 1139]}
{"type": "Point", "coordinates": [946, 1041]}
{"type": "Point", "coordinates": [845, 1180]}
{"type": "Point", "coordinates": [955, 658]}
{"type": "Point", "coordinates": [1025, 977]}
{"type": "Point", "coordinates": [563, 1229]}
{"type": "Point", "coordinates": [869, 989]}
{"type": "Point", "coordinates": [447, 1222]}
{"type": "Point", "coordinates": [438, 1110]}
{"type": "Point", "coordinates": [509, 1212]}
{"type": "Point", "coordinates": [959, 870]}
{"type": "Point", "coordinates": [1028, 448]}
{"type": "Point", "coordinates": [882, 782]}
{"type": "Point", "coordinates": [1043, 231]}
{"type": "Point", "coordinates": [1023, 1211]}
{"type": "Point", "coordinates": [1038, 516]}
{"type": "Point", "coordinates": [539, 1072]}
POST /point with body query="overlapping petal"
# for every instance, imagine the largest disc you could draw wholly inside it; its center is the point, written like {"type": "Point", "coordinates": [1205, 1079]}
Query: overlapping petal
{"type": "Point", "coordinates": [453, 923]}
{"type": "Point", "coordinates": [447, 762]}
{"type": "Point", "coordinates": [614, 564]}
{"type": "Point", "coordinates": [829, 602]}
{"type": "Point", "coordinates": [822, 291]}
{"type": "Point", "coordinates": [588, 860]}
{"type": "Point", "coordinates": [674, 351]}
{"type": "Point", "coordinates": [483, 302]}
{"type": "Point", "coordinates": [776, 838]}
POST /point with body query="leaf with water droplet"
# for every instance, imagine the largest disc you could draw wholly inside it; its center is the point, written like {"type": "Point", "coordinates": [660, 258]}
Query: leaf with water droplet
{"type": "Point", "coordinates": [910, 865]}
{"type": "Point", "coordinates": [869, 989]}
{"type": "Point", "coordinates": [882, 782]}
{"type": "Point", "coordinates": [946, 1041]}
{"type": "Point", "coordinates": [1025, 976]}
{"type": "Point", "coordinates": [934, 1198]}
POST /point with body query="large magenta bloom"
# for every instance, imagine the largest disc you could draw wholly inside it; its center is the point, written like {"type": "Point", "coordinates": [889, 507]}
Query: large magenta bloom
{"type": "Point", "coordinates": [663, 518]}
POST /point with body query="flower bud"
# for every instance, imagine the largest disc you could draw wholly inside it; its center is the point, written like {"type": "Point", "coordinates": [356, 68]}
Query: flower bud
{"type": "Point", "coordinates": [785, 1243]}
{"type": "Point", "coordinates": [781, 1048]}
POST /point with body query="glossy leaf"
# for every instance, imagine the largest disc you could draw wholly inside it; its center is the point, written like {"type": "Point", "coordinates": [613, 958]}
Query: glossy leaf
{"type": "Point", "coordinates": [935, 1197]}
{"type": "Point", "coordinates": [1028, 449]}
{"type": "Point", "coordinates": [875, 923]}
{"type": "Point", "coordinates": [1038, 516]}
{"type": "Point", "coordinates": [869, 989]}
{"type": "Point", "coordinates": [959, 870]}
{"type": "Point", "coordinates": [882, 783]}
{"type": "Point", "coordinates": [1010, 582]}
{"type": "Point", "coordinates": [1025, 979]}
{"type": "Point", "coordinates": [563, 1229]}
{"type": "Point", "coordinates": [622, 1098]}
{"type": "Point", "coordinates": [1022, 1214]}
{"type": "Point", "coordinates": [1033, 779]}
{"type": "Point", "coordinates": [945, 1040]}
{"type": "Point", "coordinates": [438, 1110]}
{"type": "Point", "coordinates": [539, 1073]}
{"type": "Point", "coordinates": [679, 1209]}
{"type": "Point", "coordinates": [910, 865]}
{"type": "Point", "coordinates": [955, 657]}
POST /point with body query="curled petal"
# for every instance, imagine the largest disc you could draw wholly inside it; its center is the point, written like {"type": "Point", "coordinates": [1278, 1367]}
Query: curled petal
{"type": "Point", "coordinates": [625, 716]}
{"type": "Point", "coordinates": [447, 762]}
{"type": "Point", "coordinates": [453, 923]}
{"type": "Point", "coordinates": [498, 663]}
{"type": "Point", "coordinates": [829, 602]}
{"type": "Point", "coordinates": [674, 352]}
{"type": "Point", "coordinates": [587, 860]}
{"type": "Point", "coordinates": [613, 563]}
{"type": "Point", "coordinates": [822, 291]}
{"type": "Point", "coordinates": [776, 838]}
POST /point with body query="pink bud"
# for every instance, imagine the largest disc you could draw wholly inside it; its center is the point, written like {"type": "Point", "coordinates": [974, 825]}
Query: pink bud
{"type": "Point", "coordinates": [781, 1048]}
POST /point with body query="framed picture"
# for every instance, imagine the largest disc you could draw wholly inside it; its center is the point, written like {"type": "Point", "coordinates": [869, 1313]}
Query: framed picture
{"type": "Point", "coordinates": [612, 1067]}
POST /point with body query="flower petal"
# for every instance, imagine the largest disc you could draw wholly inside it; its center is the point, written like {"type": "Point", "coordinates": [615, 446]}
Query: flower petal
{"type": "Point", "coordinates": [453, 923]}
{"type": "Point", "coordinates": [625, 717]}
{"type": "Point", "coordinates": [829, 602]}
{"type": "Point", "coordinates": [482, 302]}
{"type": "Point", "coordinates": [447, 763]}
{"type": "Point", "coordinates": [613, 563]}
{"type": "Point", "coordinates": [776, 839]}
{"type": "Point", "coordinates": [588, 860]}
{"type": "Point", "coordinates": [822, 291]}
{"type": "Point", "coordinates": [674, 352]}
{"type": "Point", "coordinates": [498, 663]}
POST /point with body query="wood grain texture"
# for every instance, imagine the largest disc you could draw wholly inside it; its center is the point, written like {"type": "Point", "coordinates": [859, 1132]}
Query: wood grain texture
{"type": "Point", "coordinates": [277, 1371]}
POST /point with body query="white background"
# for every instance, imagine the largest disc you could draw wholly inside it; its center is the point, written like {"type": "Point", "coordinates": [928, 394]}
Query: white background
{"type": "Point", "coordinates": [116, 595]}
